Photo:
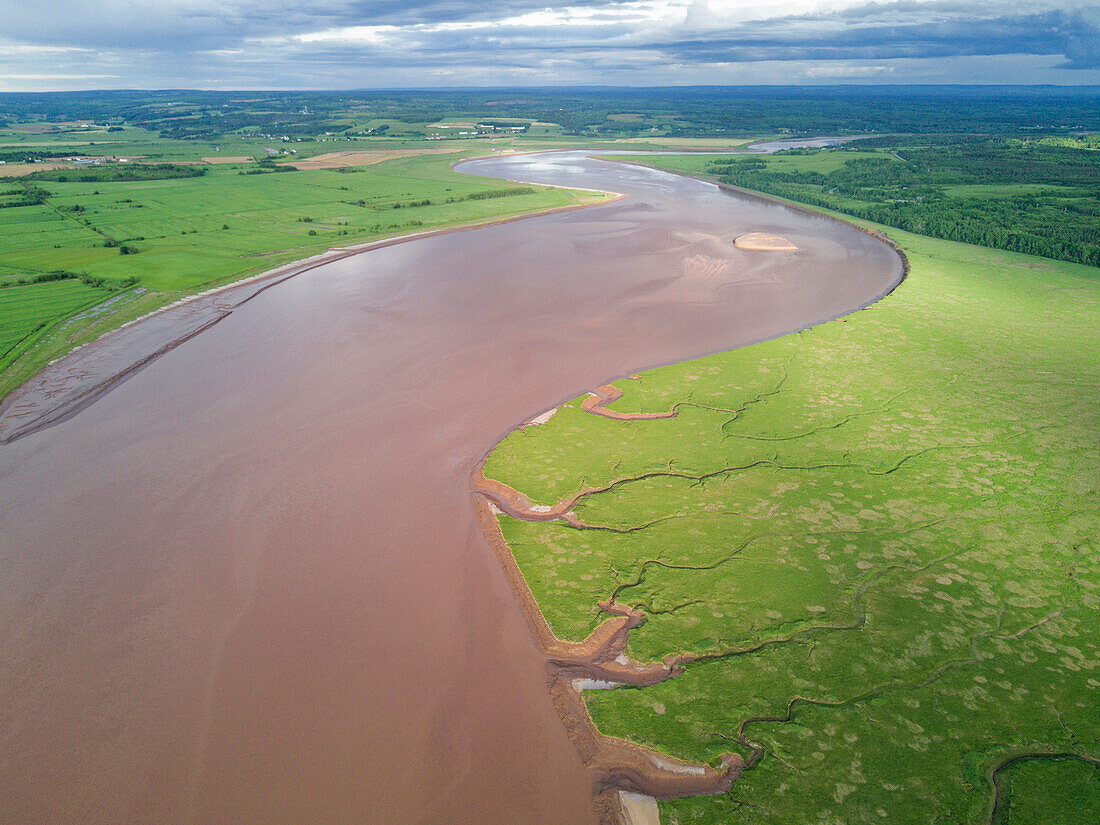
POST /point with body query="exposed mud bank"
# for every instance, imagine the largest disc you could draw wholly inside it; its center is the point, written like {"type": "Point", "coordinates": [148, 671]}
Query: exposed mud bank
{"type": "Point", "coordinates": [613, 764]}
{"type": "Point", "coordinates": [763, 242]}
{"type": "Point", "coordinates": [597, 402]}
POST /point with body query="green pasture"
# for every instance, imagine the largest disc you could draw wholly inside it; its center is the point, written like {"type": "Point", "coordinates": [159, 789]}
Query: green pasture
{"type": "Point", "coordinates": [140, 143]}
{"type": "Point", "coordinates": [190, 234]}
{"type": "Point", "coordinates": [29, 308]}
{"type": "Point", "coordinates": [197, 231]}
{"type": "Point", "coordinates": [877, 536]}
{"type": "Point", "coordinates": [822, 161]}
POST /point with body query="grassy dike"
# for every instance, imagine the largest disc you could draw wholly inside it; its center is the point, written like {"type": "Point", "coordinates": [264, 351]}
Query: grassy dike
{"type": "Point", "coordinates": [187, 235]}
{"type": "Point", "coordinates": [876, 539]}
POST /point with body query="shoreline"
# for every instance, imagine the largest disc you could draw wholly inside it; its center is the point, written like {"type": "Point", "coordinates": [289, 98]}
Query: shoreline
{"type": "Point", "coordinates": [614, 765]}
{"type": "Point", "coordinates": [72, 402]}
{"type": "Point", "coordinates": [617, 765]}
{"type": "Point", "coordinates": [878, 235]}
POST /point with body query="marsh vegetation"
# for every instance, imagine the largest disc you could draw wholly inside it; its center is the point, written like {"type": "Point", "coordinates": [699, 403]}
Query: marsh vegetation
{"type": "Point", "coordinates": [871, 545]}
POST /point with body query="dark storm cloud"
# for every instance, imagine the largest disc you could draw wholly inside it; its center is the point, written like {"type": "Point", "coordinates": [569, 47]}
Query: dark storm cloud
{"type": "Point", "coordinates": [211, 24]}
{"type": "Point", "coordinates": [1083, 41]}
{"type": "Point", "coordinates": [836, 37]}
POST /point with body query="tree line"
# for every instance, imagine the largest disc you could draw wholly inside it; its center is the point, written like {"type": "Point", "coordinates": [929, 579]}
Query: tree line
{"type": "Point", "coordinates": [1043, 199]}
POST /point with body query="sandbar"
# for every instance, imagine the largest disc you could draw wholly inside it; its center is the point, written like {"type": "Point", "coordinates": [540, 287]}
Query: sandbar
{"type": "Point", "coordinates": [764, 242]}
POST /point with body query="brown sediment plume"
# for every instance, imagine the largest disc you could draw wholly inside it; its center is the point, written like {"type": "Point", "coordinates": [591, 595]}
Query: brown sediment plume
{"type": "Point", "coordinates": [613, 764]}
{"type": "Point", "coordinates": [597, 402]}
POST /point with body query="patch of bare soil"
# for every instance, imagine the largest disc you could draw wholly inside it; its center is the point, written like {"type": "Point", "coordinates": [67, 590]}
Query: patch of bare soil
{"type": "Point", "coordinates": [18, 170]}
{"type": "Point", "coordinates": [360, 157]}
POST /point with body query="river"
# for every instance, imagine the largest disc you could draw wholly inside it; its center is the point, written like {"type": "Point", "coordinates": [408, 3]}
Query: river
{"type": "Point", "coordinates": [246, 585]}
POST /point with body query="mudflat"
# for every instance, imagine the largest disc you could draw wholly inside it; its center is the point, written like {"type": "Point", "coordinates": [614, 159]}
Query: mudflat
{"type": "Point", "coordinates": [247, 583]}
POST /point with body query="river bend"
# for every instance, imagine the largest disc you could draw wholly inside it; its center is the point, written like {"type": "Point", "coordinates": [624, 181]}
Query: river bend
{"type": "Point", "coordinates": [246, 584]}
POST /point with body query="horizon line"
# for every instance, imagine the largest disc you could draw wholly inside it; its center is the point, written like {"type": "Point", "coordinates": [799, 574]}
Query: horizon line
{"type": "Point", "coordinates": [564, 87]}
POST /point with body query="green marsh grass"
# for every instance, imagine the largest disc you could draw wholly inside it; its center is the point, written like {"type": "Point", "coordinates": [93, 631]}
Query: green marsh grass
{"type": "Point", "coordinates": [879, 534]}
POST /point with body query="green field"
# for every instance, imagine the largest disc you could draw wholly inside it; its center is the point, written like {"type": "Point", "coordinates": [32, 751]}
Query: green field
{"type": "Point", "coordinates": [29, 309]}
{"type": "Point", "coordinates": [874, 541]}
{"type": "Point", "coordinates": [1032, 788]}
{"type": "Point", "coordinates": [199, 231]}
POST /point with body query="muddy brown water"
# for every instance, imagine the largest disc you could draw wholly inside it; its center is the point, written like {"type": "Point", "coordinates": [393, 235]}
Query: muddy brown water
{"type": "Point", "coordinates": [246, 584]}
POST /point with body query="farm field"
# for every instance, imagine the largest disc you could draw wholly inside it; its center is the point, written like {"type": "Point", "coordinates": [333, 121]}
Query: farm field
{"type": "Point", "coordinates": [871, 545]}
{"type": "Point", "coordinates": [29, 308]}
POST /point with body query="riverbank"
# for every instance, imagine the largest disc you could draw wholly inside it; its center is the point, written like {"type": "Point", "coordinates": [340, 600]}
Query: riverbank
{"type": "Point", "coordinates": [815, 506]}
{"type": "Point", "coordinates": [82, 375]}
{"type": "Point", "coordinates": [617, 765]}
{"type": "Point", "coordinates": [186, 235]}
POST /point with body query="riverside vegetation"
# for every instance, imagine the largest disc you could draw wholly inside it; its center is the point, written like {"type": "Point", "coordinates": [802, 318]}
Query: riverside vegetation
{"type": "Point", "coordinates": [871, 544]}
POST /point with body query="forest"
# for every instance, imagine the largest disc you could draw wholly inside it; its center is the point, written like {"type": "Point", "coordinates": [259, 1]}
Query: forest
{"type": "Point", "coordinates": [1007, 193]}
{"type": "Point", "coordinates": [699, 111]}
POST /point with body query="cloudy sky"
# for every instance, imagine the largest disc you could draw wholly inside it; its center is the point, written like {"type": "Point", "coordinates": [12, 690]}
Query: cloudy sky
{"type": "Point", "coordinates": [319, 44]}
